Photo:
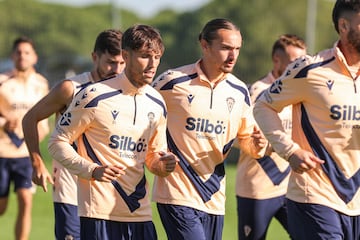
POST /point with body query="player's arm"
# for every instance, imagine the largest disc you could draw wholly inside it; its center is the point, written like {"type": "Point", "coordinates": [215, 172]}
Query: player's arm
{"type": "Point", "coordinates": [55, 101]}
{"type": "Point", "coordinates": [73, 124]}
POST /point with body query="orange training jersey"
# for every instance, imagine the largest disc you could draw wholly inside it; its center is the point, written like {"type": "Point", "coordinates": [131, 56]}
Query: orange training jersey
{"type": "Point", "coordinates": [114, 123]}
{"type": "Point", "coordinates": [65, 186]}
{"type": "Point", "coordinates": [17, 96]}
{"type": "Point", "coordinates": [326, 121]}
{"type": "Point", "coordinates": [265, 177]}
{"type": "Point", "coordinates": [203, 121]}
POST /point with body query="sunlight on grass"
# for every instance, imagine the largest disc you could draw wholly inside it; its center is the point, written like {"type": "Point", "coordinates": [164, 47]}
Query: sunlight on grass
{"type": "Point", "coordinates": [43, 218]}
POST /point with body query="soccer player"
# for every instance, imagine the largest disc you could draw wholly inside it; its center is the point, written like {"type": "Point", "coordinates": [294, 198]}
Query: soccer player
{"type": "Point", "coordinates": [208, 109]}
{"type": "Point", "coordinates": [107, 61]}
{"type": "Point", "coordinates": [261, 184]}
{"type": "Point", "coordinates": [120, 126]}
{"type": "Point", "coordinates": [20, 89]}
{"type": "Point", "coordinates": [323, 197]}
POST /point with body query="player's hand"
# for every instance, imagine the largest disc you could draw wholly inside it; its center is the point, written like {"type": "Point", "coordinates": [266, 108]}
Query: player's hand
{"type": "Point", "coordinates": [168, 160]}
{"type": "Point", "coordinates": [41, 176]}
{"type": "Point", "coordinates": [108, 173]}
{"type": "Point", "coordinates": [10, 125]}
{"type": "Point", "coordinates": [258, 138]}
{"type": "Point", "coordinates": [302, 161]}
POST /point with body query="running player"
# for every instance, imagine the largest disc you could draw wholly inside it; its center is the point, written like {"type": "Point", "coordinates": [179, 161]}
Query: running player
{"type": "Point", "coordinates": [208, 109]}
{"type": "Point", "coordinates": [20, 89]}
{"type": "Point", "coordinates": [324, 151]}
{"type": "Point", "coordinates": [120, 125]}
{"type": "Point", "coordinates": [107, 61]}
{"type": "Point", "coordinates": [261, 184]}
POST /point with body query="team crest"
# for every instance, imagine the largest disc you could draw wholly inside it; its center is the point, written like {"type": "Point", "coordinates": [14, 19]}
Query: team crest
{"type": "Point", "coordinates": [230, 103]}
{"type": "Point", "coordinates": [247, 230]}
{"type": "Point", "coordinates": [151, 117]}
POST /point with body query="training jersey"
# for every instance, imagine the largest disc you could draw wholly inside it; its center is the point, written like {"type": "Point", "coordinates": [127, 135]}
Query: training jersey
{"type": "Point", "coordinates": [325, 95]}
{"type": "Point", "coordinates": [265, 177]}
{"type": "Point", "coordinates": [17, 96]}
{"type": "Point", "coordinates": [65, 186]}
{"type": "Point", "coordinates": [204, 120]}
{"type": "Point", "coordinates": [114, 123]}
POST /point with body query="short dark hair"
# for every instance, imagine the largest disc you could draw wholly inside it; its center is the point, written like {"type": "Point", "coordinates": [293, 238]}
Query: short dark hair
{"type": "Point", "coordinates": [344, 6]}
{"type": "Point", "coordinates": [22, 39]}
{"type": "Point", "coordinates": [108, 41]}
{"type": "Point", "coordinates": [288, 40]}
{"type": "Point", "coordinates": [142, 36]}
{"type": "Point", "coordinates": [208, 33]}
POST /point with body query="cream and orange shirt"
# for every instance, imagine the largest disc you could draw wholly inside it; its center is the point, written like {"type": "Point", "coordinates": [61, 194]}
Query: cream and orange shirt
{"type": "Point", "coordinates": [65, 183]}
{"type": "Point", "coordinates": [325, 94]}
{"type": "Point", "coordinates": [17, 96]}
{"type": "Point", "coordinates": [204, 119]}
{"type": "Point", "coordinates": [265, 177]}
{"type": "Point", "coordinates": [114, 123]}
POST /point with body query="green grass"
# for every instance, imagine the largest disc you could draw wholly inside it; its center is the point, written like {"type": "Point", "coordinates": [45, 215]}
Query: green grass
{"type": "Point", "coordinates": [43, 217]}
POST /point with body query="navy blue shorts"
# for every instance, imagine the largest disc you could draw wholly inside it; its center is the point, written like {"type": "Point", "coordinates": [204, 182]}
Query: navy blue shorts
{"type": "Point", "coordinates": [67, 221]}
{"type": "Point", "coordinates": [18, 170]}
{"type": "Point", "coordinates": [254, 216]}
{"type": "Point", "coordinates": [317, 222]}
{"type": "Point", "coordinates": [95, 229]}
{"type": "Point", "coordinates": [183, 223]}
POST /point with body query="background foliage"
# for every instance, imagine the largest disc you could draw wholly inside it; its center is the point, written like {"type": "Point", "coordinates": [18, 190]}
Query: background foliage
{"type": "Point", "coordinates": [65, 35]}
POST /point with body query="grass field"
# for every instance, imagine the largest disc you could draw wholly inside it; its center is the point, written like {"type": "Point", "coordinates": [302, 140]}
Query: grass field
{"type": "Point", "coordinates": [43, 219]}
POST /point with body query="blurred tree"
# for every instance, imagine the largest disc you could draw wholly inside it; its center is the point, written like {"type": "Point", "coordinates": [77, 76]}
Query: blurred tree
{"type": "Point", "coordinates": [65, 35]}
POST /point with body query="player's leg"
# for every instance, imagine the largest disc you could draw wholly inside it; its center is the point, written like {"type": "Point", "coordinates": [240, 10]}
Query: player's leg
{"type": "Point", "coordinates": [281, 214]}
{"type": "Point", "coordinates": [313, 221]}
{"type": "Point", "coordinates": [351, 226]}
{"type": "Point", "coordinates": [67, 221]}
{"type": "Point", "coordinates": [4, 184]}
{"type": "Point", "coordinates": [23, 219]}
{"type": "Point", "coordinates": [181, 223]}
{"type": "Point", "coordinates": [21, 171]}
{"type": "Point", "coordinates": [213, 225]}
{"type": "Point", "coordinates": [254, 217]}
{"type": "Point", "coordinates": [94, 229]}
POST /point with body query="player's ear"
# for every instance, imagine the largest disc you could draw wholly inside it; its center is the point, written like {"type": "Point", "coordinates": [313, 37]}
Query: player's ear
{"type": "Point", "coordinates": [125, 54]}
{"type": "Point", "coordinates": [344, 25]}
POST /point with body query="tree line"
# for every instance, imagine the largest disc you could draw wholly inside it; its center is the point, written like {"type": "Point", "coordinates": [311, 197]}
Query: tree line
{"type": "Point", "coordinates": [64, 35]}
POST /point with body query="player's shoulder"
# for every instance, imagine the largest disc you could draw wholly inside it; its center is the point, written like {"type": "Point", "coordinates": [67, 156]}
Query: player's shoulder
{"type": "Point", "coordinates": [302, 65]}
{"type": "Point", "coordinates": [231, 78]}
{"type": "Point", "coordinates": [5, 76]}
{"type": "Point", "coordinates": [81, 78]}
{"type": "Point", "coordinates": [186, 71]}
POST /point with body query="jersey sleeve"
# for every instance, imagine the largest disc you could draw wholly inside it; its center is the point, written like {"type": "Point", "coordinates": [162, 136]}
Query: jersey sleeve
{"type": "Point", "coordinates": [287, 90]}
{"type": "Point", "coordinates": [70, 126]}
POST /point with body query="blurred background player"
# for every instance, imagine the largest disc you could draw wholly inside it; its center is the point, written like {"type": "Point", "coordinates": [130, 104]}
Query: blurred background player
{"type": "Point", "coordinates": [20, 89]}
{"type": "Point", "coordinates": [261, 184]}
{"type": "Point", "coordinates": [323, 197]}
{"type": "Point", "coordinates": [208, 108]}
{"type": "Point", "coordinates": [120, 126]}
{"type": "Point", "coordinates": [107, 61]}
